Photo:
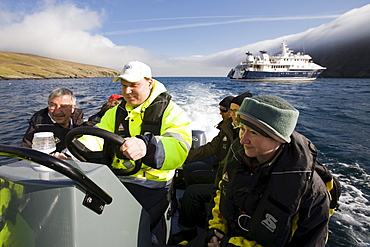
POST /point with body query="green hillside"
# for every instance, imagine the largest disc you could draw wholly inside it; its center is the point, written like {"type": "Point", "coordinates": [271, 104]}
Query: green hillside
{"type": "Point", "coordinates": [14, 66]}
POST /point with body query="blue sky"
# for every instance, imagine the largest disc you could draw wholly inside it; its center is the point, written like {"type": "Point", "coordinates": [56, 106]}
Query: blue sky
{"type": "Point", "coordinates": [201, 27]}
{"type": "Point", "coordinates": [161, 29]}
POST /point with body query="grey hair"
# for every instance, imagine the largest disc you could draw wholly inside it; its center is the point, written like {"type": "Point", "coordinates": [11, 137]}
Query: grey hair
{"type": "Point", "coordinates": [58, 92]}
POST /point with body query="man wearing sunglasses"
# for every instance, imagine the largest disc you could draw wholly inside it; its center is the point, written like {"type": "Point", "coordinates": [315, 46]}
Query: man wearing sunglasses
{"type": "Point", "coordinates": [59, 117]}
{"type": "Point", "coordinates": [200, 172]}
{"type": "Point", "coordinates": [224, 107]}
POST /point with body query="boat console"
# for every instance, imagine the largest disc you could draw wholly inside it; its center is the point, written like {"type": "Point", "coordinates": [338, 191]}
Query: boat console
{"type": "Point", "coordinates": [66, 203]}
{"type": "Point", "coordinates": [45, 201]}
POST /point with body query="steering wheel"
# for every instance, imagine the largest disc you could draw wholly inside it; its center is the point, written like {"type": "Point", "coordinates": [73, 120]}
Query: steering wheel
{"type": "Point", "coordinates": [82, 153]}
{"type": "Point", "coordinates": [95, 198]}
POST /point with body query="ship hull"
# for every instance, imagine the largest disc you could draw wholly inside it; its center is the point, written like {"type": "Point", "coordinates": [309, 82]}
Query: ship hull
{"type": "Point", "coordinates": [275, 76]}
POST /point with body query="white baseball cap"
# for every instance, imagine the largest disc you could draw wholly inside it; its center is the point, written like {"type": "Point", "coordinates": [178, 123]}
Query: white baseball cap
{"type": "Point", "coordinates": [134, 71]}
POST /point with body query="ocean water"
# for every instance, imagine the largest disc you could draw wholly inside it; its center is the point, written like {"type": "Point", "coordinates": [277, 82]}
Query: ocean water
{"type": "Point", "coordinates": [334, 115]}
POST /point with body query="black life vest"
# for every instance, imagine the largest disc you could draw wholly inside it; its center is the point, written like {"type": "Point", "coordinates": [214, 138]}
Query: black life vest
{"type": "Point", "coordinates": [228, 135]}
{"type": "Point", "coordinates": [260, 205]}
{"type": "Point", "coordinates": [152, 120]}
{"type": "Point", "coordinates": [152, 123]}
{"type": "Point", "coordinates": [330, 180]}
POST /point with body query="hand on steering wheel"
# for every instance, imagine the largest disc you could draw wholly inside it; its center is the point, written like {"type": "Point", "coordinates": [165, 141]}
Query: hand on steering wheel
{"type": "Point", "coordinates": [133, 148]}
{"type": "Point", "coordinates": [82, 153]}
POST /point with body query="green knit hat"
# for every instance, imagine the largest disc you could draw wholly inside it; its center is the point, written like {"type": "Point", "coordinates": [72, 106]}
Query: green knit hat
{"type": "Point", "coordinates": [269, 115]}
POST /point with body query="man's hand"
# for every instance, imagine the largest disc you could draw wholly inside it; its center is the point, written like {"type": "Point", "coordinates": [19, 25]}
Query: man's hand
{"type": "Point", "coordinates": [61, 156]}
{"type": "Point", "coordinates": [215, 240]}
{"type": "Point", "coordinates": [133, 148]}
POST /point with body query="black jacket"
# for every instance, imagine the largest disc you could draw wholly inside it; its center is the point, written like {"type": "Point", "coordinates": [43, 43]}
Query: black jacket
{"type": "Point", "coordinates": [219, 145]}
{"type": "Point", "coordinates": [282, 204]}
{"type": "Point", "coordinates": [41, 122]}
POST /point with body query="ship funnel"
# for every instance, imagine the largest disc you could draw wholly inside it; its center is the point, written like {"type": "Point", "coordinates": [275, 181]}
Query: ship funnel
{"type": "Point", "coordinates": [250, 57]}
{"type": "Point", "coordinates": [265, 56]}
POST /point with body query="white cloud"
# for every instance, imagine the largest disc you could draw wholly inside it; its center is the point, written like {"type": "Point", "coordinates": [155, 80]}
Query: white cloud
{"type": "Point", "coordinates": [349, 26]}
{"type": "Point", "coordinates": [65, 31]}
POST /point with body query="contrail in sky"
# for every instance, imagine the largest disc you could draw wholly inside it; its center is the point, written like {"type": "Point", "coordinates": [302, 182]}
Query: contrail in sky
{"type": "Point", "coordinates": [180, 18]}
{"type": "Point", "coordinates": [255, 19]}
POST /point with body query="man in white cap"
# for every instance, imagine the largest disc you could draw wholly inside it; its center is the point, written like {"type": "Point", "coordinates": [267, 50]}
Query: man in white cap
{"type": "Point", "coordinates": [156, 130]}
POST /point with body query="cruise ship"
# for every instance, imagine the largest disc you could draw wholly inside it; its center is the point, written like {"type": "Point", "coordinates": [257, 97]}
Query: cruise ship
{"type": "Point", "coordinates": [285, 66]}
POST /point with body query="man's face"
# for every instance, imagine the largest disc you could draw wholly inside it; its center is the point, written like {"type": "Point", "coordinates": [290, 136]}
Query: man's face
{"type": "Point", "coordinates": [61, 109]}
{"type": "Point", "coordinates": [136, 93]}
{"type": "Point", "coordinates": [233, 109]}
{"type": "Point", "coordinates": [225, 112]}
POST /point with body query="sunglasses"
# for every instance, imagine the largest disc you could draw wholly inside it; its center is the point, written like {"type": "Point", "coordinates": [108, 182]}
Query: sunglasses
{"type": "Point", "coordinates": [53, 106]}
{"type": "Point", "coordinates": [224, 110]}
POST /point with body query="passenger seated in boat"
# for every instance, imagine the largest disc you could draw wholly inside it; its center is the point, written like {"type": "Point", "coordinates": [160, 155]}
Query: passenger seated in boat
{"type": "Point", "coordinates": [113, 100]}
{"type": "Point", "coordinates": [268, 193]}
{"type": "Point", "coordinates": [199, 176]}
{"type": "Point", "coordinates": [59, 117]}
{"type": "Point", "coordinates": [196, 168]}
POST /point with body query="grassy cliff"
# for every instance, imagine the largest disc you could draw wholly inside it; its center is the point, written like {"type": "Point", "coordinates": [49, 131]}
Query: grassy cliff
{"type": "Point", "coordinates": [15, 66]}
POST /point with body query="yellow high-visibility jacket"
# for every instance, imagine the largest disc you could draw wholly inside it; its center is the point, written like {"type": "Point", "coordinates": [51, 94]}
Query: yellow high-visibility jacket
{"type": "Point", "coordinates": [172, 145]}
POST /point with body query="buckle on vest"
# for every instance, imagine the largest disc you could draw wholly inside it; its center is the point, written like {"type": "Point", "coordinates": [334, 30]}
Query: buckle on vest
{"type": "Point", "coordinates": [243, 221]}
